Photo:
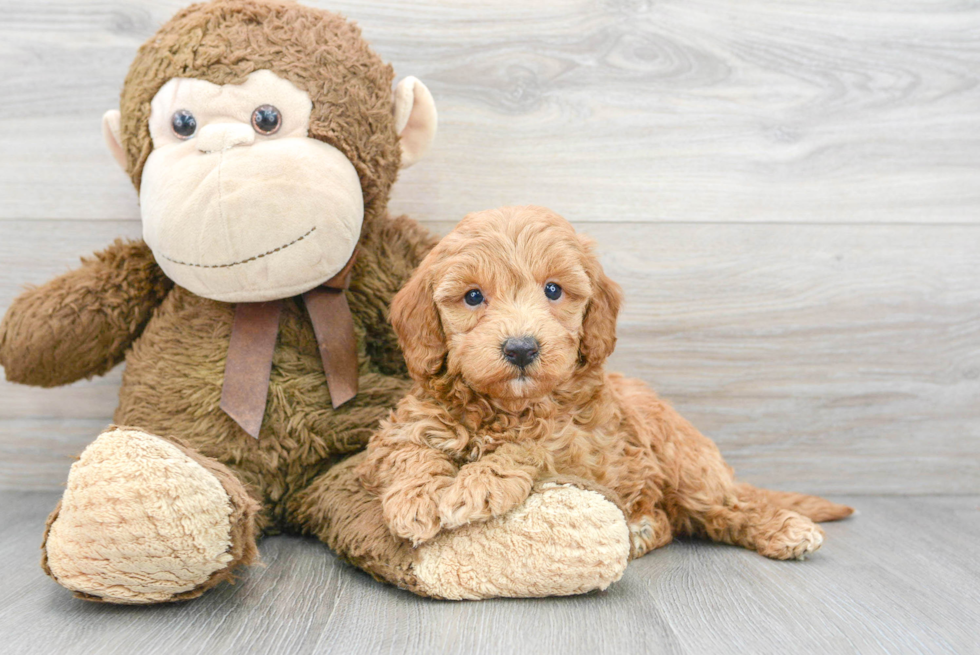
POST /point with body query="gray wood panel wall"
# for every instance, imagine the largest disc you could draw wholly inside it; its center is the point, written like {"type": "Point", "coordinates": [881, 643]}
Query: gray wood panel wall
{"type": "Point", "coordinates": [789, 193]}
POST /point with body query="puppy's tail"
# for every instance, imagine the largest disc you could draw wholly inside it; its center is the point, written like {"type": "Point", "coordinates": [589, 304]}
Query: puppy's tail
{"type": "Point", "coordinates": [813, 507]}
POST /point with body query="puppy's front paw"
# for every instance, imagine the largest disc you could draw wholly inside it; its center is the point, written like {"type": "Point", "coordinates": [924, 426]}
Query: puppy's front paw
{"type": "Point", "coordinates": [480, 492]}
{"type": "Point", "coordinates": [412, 513]}
{"type": "Point", "coordinates": [797, 538]}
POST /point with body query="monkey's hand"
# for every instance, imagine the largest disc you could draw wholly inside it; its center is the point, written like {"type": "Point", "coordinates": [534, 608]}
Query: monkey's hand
{"type": "Point", "coordinates": [81, 323]}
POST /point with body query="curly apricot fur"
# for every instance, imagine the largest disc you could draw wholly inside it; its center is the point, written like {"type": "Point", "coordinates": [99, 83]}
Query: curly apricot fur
{"type": "Point", "coordinates": [476, 431]}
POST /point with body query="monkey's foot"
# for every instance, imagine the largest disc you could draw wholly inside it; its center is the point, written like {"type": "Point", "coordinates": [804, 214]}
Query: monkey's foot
{"type": "Point", "coordinates": [563, 540]}
{"type": "Point", "coordinates": [145, 520]}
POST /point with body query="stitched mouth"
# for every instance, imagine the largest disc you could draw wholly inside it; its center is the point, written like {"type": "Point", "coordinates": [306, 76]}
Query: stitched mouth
{"type": "Point", "coordinates": [244, 261]}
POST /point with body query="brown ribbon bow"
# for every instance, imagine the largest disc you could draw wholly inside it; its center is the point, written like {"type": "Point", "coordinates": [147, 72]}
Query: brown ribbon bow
{"type": "Point", "coordinates": [253, 341]}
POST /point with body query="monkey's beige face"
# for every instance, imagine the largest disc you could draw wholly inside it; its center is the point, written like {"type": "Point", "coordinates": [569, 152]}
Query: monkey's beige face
{"type": "Point", "coordinates": [511, 303]}
{"type": "Point", "coordinates": [238, 203]}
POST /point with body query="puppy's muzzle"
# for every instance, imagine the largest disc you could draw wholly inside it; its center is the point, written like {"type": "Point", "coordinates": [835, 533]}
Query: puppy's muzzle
{"type": "Point", "coordinates": [520, 351]}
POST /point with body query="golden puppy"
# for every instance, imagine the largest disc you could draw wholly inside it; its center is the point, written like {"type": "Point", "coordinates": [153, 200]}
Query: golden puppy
{"type": "Point", "coordinates": [505, 327]}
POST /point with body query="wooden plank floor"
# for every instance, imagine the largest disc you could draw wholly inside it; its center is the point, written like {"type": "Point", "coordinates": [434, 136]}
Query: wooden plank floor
{"type": "Point", "coordinates": [902, 576]}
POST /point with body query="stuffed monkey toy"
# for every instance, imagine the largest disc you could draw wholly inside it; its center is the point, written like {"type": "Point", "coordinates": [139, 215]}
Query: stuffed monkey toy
{"type": "Point", "coordinates": [263, 139]}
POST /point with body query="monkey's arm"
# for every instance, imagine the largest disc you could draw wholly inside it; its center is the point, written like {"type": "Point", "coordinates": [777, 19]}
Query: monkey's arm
{"type": "Point", "coordinates": [81, 323]}
{"type": "Point", "coordinates": [389, 251]}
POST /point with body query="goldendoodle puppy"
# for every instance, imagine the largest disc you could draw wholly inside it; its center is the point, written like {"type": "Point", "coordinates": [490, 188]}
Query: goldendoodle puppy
{"type": "Point", "coordinates": [505, 327]}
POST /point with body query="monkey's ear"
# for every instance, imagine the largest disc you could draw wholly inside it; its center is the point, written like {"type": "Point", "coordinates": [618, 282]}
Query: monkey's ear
{"type": "Point", "coordinates": [415, 119]}
{"type": "Point", "coordinates": [110, 132]}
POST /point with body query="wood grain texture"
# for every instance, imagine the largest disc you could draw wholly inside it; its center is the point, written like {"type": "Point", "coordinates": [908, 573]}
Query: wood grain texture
{"type": "Point", "coordinates": [787, 191]}
{"type": "Point", "coordinates": [897, 578]}
{"type": "Point", "coordinates": [611, 110]}
{"type": "Point", "coordinates": [828, 359]}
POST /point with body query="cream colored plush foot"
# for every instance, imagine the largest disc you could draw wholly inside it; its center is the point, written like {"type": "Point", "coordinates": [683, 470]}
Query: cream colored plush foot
{"type": "Point", "coordinates": [562, 541]}
{"type": "Point", "coordinates": [140, 521]}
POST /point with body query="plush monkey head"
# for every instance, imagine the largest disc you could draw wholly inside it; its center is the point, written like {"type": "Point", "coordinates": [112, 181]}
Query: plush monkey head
{"type": "Point", "coordinates": [261, 135]}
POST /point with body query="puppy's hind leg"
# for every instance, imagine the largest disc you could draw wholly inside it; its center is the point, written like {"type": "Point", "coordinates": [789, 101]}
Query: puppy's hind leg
{"type": "Point", "coordinates": [701, 496]}
{"type": "Point", "coordinates": [704, 499]}
{"type": "Point", "coordinates": [711, 504]}
{"type": "Point", "coordinates": [772, 531]}
{"type": "Point", "coordinates": [778, 524]}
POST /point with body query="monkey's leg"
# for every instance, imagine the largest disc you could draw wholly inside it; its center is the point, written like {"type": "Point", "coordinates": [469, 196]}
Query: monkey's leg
{"type": "Point", "coordinates": [146, 520]}
{"type": "Point", "coordinates": [564, 540]}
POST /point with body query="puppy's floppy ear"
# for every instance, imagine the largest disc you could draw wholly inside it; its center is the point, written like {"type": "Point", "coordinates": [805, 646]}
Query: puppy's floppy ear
{"type": "Point", "coordinates": [599, 324]}
{"type": "Point", "coordinates": [416, 321]}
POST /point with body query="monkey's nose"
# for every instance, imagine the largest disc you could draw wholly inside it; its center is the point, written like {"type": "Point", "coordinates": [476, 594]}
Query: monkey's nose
{"type": "Point", "coordinates": [520, 351]}
{"type": "Point", "coordinates": [219, 137]}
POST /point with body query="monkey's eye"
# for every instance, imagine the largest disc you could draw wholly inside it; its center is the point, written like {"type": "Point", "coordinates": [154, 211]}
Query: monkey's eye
{"type": "Point", "coordinates": [552, 290]}
{"type": "Point", "coordinates": [266, 120]}
{"type": "Point", "coordinates": [473, 297]}
{"type": "Point", "coordinates": [184, 124]}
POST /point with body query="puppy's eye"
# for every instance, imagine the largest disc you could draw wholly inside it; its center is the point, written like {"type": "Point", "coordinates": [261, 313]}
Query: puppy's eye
{"type": "Point", "coordinates": [473, 297]}
{"type": "Point", "coordinates": [266, 120]}
{"type": "Point", "coordinates": [183, 124]}
{"type": "Point", "coordinates": [552, 290]}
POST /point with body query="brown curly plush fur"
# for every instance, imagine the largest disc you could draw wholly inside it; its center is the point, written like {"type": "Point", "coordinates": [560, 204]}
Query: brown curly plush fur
{"type": "Point", "coordinates": [477, 432]}
{"type": "Point", "coordinates": [119, 304]}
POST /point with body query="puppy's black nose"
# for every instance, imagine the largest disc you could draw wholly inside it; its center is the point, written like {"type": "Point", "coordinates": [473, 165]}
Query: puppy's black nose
{"type": "Point", "coordinates": [520, 351]}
